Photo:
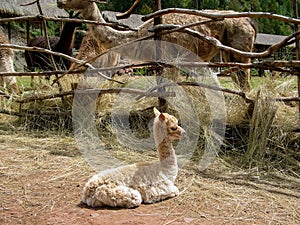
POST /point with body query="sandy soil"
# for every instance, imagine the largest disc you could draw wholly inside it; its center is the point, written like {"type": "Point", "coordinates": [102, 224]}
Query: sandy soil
{"type": "Point", "coordinates": [42, 176]}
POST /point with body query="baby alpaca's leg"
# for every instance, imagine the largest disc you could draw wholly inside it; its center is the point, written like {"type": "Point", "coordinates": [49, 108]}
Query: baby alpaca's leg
{"type": "Point", "coordinates": [173, 191]}
{"type": "Point", "coordinates": [168, 191]}
{"type": "Point", "coordinates": [119, 196]}
{"type": "Point", "coordinates": [160, 192]}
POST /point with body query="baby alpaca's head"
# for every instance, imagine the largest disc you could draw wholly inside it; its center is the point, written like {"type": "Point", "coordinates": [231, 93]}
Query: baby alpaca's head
{"type": "Point", "coordinates": [166, 125]}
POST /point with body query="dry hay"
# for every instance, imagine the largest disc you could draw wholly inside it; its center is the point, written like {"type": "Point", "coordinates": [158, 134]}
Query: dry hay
{"type": "Point", "coordinates": [47, 114]}
{"type": "Point", "coordinates": [140, 114]}
{"type": "Point", "coordinates": [267, 140]}
{"type": "Point", "coordinates": [278, 146]}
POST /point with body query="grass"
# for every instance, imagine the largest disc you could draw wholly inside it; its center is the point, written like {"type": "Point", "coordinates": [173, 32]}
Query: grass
{"type": "Point", "coordinates": [39, 83]}
{"type": "Point", "coordinates": [24, 82]}
{"type": "Point", "coordinates": [257, 81]}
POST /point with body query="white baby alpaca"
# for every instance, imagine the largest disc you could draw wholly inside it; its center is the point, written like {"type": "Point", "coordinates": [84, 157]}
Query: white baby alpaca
{"type": "Point", "coordinates": [148, 182]}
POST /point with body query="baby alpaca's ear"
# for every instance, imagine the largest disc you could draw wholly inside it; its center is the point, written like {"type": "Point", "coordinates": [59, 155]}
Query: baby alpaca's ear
{"type": "Point", "coordinates": [156, 112]}
{"type": "Point", "coordinates": [159, 114]}
{"type": "Point", "coordinates": [161, 117]}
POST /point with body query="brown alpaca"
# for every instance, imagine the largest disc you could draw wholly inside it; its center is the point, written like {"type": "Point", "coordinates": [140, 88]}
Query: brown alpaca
{"type": "Point", "coordinates": [63, 44]}
{"type": "Point", "coordinates": [238, 33]}
{"type": "Point", "coordinates": [7, 65]}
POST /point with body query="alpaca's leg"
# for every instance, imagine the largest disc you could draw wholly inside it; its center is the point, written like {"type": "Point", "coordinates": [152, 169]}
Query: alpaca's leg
{"type": "Point", "coordinates": [173, 191]}
{"type": "Point", "coordinates": [2, 103]}
{"type": "Point", "coordinates": [169, 192]}
{"type": "Point", "coordinates": [2, 99]}
{"type": "Point", "coordinates": [11, 84]}
{"type": "Point", "coordinates": [10, 81]}
{"type": "Point", "coordinates": [119, 196]}
{"type": "Point", "coordinates": [160, 192]}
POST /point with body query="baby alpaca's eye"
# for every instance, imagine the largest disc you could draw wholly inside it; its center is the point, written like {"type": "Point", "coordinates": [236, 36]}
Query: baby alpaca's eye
{"type": "Point", "coordinates": [173, 128]}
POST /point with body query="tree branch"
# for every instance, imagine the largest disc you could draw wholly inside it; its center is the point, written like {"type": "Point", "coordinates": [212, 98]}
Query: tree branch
{"type": "Point", "coordinates": [5, 95]}
{"type": "Point", "coordinates": [37, 74]}
{"type": "Point", "coordinates": [40, 17]}
{"type": "Point", "coordinates": [96, 91]}
{"type": "Point", "coordinates": [129, 11]}
{"type": "Point", "coordinates": [215, 42]}
{"type": "Point", "coordinates": [43, 50]}
{"type": "Point", "coordinates": [278, 65]}
{"type": "Point", "coordinates": [217, 15]}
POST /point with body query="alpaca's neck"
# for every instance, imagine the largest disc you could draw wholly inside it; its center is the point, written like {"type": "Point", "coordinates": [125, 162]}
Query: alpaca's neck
{"type": "Point", "coordinates": [105, 35]}
{"type": "Point", "coordinates": [91, 12]}
{"type": "Point", "coordinates": [165, 150]}
{"type": "Point", "coordinates": [66, 40]}
{"type": "Point", "coordinates": [167, 159]}
{"type": "Point", "coordinates": [162, 141]}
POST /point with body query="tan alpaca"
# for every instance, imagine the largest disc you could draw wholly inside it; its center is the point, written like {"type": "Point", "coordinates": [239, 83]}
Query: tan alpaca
{"type": "Point", "coordinates": [89, 49]}
{"type": "Point", "coordinates": [7, 65]}
{"type": "Point", "coordinates": [148, 182]}
{"type": "Point", "coordinates": [238, 33]}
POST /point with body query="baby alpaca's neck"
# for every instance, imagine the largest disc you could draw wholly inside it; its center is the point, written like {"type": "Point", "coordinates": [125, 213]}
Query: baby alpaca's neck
{"type": "Point", "coordinates": [165, 150]}
{"type": "Point", "coordinates": [167, 159]}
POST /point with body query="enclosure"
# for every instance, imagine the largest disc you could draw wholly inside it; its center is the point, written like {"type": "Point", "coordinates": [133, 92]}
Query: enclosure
{"type": "Point", "coordinates": [238, 165]}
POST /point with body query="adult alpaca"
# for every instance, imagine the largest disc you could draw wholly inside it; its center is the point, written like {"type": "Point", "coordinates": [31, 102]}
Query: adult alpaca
{"type": "Point", "coordinates": [148, 182]}
{"type": "Point", "coordinates": [7, 65]}
{"type": "Point", "coordinates": [238, 33]}
{"type": "Point", "coordinates": [63, 44]}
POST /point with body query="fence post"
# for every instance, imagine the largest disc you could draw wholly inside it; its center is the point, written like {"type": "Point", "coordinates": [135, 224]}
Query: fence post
{"type": "Point", "coordinates": [158, 20]}
{"type": "Point", "coordinates": [297, 48]}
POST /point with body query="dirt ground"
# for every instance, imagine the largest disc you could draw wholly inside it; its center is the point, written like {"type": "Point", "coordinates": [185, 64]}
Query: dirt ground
{"type": "Point", "coordinates": [42, 176]}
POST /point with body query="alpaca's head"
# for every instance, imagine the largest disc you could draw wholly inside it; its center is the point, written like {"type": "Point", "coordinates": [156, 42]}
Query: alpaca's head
{"type": "Point", "coordinates": [73, 4]}
{"type": "Point", "coordinates": [166, 126]}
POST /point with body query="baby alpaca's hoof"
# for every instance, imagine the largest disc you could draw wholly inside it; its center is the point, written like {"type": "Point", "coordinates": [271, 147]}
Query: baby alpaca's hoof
{"type": "Point", "coordinates": [174, 191]}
